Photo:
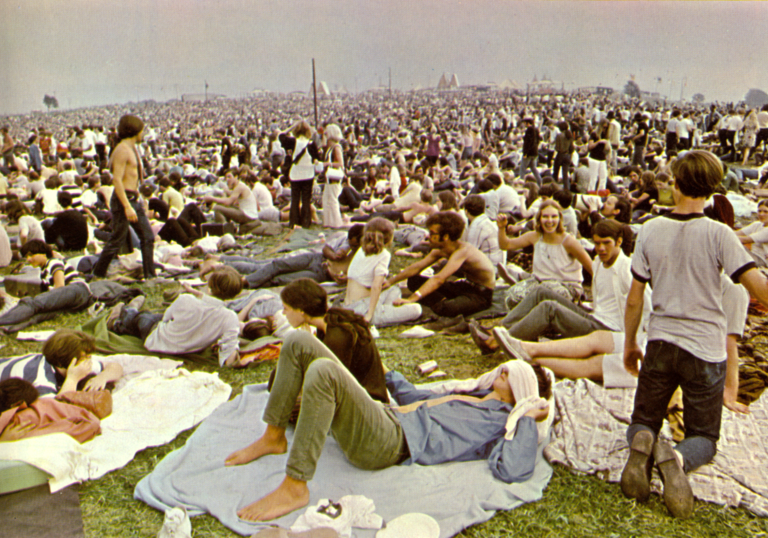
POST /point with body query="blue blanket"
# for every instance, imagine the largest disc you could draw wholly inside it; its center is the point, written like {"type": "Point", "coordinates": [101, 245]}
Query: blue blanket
{"type": "Point", "coordinates": [457, 495]}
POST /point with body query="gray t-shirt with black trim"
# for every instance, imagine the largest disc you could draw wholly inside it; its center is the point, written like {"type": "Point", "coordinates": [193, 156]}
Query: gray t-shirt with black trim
{"type": "Point", "coordinates": [682, 257]}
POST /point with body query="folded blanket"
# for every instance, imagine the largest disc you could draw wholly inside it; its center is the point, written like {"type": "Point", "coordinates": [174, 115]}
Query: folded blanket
{"type": "Point", "coordinates": [457, 494]}
{"type": "Point", "coordinates": [589, 435]}
{"type": "Point", "coordinates": [149, 411]}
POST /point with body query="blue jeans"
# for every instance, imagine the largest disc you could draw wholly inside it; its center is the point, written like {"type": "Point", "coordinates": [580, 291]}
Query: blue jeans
{"type": "Point", "coordinates": [281, 271]}
{"type": "Point", "coordinates": [71, 298]}
{"type": "Point", "coordinates": [120, 226]}
{"type": "Point", "coordinates": [530, 162]}
{"type": "Point", "coordinates": [134, 323]}
{"type": "Point", "coordinates": [665, 367]}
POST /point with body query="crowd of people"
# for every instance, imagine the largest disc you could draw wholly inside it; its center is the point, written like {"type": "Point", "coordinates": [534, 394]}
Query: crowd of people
{"type": "Point", "coordinates": [608, 195]}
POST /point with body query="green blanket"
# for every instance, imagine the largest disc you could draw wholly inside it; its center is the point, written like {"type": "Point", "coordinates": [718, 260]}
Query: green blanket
{"type": "Point", "coordinates": [109, 342]}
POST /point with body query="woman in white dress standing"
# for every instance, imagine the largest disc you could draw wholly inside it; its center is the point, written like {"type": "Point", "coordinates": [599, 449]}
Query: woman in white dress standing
{"type": "Point", "coordinates": [334, 173]}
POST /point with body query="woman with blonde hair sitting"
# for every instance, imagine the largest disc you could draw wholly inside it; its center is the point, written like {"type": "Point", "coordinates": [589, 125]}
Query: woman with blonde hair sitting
{"type": "Point", "coordinates": [557, 255]}
{"type": "Point", "coordinates": [367, 273]}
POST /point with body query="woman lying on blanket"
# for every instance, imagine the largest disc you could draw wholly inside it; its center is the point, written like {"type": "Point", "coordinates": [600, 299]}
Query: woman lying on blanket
{"type": "Point", "coordinates": [24, 415]}
{"type": "Point", "coordinates": [63, 288]}
{"type": "Point", "coordinates": [498, 424]}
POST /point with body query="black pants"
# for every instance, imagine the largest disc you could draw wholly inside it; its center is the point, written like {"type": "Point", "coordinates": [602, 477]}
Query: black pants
{"type": "Point", "coordinates": [350, 197]}
{"type": "Point", "coordinates": [179, 230]}
{"type": "Point", "coordinates": [671, 144]}
{"type": "Point", "coordinates": [563, 162]}
{"type": "Point", "coordinates": [394, 216]}
{"type": "Point", "coordinates": [193, 215]}
{"type": "Point", "coordinates": [120, 226]}
{"type": "Point", "coordinates": [454, 298]}
{"type": "Point", "coordinates": [301, 200]}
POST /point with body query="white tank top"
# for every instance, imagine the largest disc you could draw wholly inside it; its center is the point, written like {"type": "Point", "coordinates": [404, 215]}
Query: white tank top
{"type": "Point", "coordinates": [303, 167]}
{"type": "Point", "coordinates": [248, 206]}
{"type": "Point", "coordinates": [552, 262]}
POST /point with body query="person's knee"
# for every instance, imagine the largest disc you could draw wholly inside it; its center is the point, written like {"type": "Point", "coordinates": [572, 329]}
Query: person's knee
{"type": "Point", "coordinates": [298, 340]}
{"type": "Point", "coordinates": [321, 372]}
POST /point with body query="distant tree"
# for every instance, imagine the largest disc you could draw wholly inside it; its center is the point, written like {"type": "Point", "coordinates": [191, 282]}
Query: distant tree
{"type": "Point", "coordinates": [756, 98]}
{"type": "Point", "coordinates": [632, 89]}
{"type": "Point", "coordinates": [698, 97]}
{"type": "Point", "coordinates": [50, 101]}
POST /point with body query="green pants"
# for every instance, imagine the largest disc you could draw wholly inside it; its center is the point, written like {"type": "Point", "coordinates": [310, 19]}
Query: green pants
{"type": "Point", "coordinates": [332, 400]}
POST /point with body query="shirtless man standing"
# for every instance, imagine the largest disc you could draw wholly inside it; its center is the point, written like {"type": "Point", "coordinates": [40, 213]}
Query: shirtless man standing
{"type": "Point", "coordinates": [241, 196]}
{"type": "Point", "coordinates": [125, 204]}
{"type": "Point", "coordinates": [467, 295]}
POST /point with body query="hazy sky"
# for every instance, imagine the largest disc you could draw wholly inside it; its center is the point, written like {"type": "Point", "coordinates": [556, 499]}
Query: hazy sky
{"type": "Point", "coordinates": [91, 52]}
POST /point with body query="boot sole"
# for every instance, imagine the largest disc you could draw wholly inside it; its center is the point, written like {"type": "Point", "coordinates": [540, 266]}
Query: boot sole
{"type": "Point", "coordinates": [635, 481]}
{"type": "Point", "coordinates": [678, 495]}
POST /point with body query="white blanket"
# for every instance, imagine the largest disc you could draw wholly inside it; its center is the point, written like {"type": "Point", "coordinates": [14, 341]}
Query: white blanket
{"type": "Point", "coordinates": [590, 430]}
{"type": "Point", "coordinates": [150, 410]}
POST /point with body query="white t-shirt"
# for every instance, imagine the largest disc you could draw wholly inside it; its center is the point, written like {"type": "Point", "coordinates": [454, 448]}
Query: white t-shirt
{"type": "Point", "coordinates": [262, 195]}
{"type": "Point", "coordinates": [606, 297]}
{"type": "Point", "coordinates": [191, 324]}
{"type": "Point", "coordinates": [684, 256]}
{"type": "Point", "coordinates": [31, 227]}
{"type": "Point", "coordinates": [509, 200]}
{"type": "Point", "coordinates": [363, 269]}
{"type": "Point", "coordinates": [50, 199]}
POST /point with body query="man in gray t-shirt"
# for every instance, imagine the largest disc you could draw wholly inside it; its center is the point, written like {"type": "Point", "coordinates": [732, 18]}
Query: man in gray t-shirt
{"type": "Point", "coordinates": [682, 255]}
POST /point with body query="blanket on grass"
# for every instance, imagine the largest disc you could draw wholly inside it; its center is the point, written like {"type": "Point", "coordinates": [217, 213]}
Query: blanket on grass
{"type": "Point", "coordinates": [589, 436]}
{"type": "Point", "coordinates": [150, 410]}
{"type": "Point", "coordinates": [109, 342]}
{"type": "Point", "coordinates": [457, 495]}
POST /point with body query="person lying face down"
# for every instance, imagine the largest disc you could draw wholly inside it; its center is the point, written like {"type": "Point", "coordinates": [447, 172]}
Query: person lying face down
{"type": "Point", "coordinates": [499, 424]}
{"type": "Point", "coordinates": [23, 414]}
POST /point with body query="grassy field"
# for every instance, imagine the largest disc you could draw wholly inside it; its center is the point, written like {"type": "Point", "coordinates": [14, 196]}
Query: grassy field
{"type": "Point", "coordinates": [573, 505]}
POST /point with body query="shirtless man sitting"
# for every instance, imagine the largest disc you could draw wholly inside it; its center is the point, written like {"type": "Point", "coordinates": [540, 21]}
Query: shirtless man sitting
{"type": "Point", "coordinates": [239, 195]}
{"type": "Point", "coordinates": [467, 295]}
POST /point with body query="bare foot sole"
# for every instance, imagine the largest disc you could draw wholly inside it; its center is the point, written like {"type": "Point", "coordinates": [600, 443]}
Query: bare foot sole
{"type": "Point", "coordinates": [290, 495]}
{"type": "Point", "coordinates": [260, 447]}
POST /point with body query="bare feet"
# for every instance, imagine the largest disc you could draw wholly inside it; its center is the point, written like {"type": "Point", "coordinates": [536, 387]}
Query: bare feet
{"type": "Point", "coordinates": [290, 495]}
{"type": "Point", "coordinates": [272, 442]}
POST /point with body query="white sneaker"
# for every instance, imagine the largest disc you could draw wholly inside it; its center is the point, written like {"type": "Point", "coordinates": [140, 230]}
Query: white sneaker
{"type": "Point", "coordinates": [510, 345]}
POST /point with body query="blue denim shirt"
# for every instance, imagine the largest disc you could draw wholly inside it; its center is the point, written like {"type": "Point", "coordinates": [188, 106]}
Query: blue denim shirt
{"type": "Point", "coordinates": [465, 431]}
